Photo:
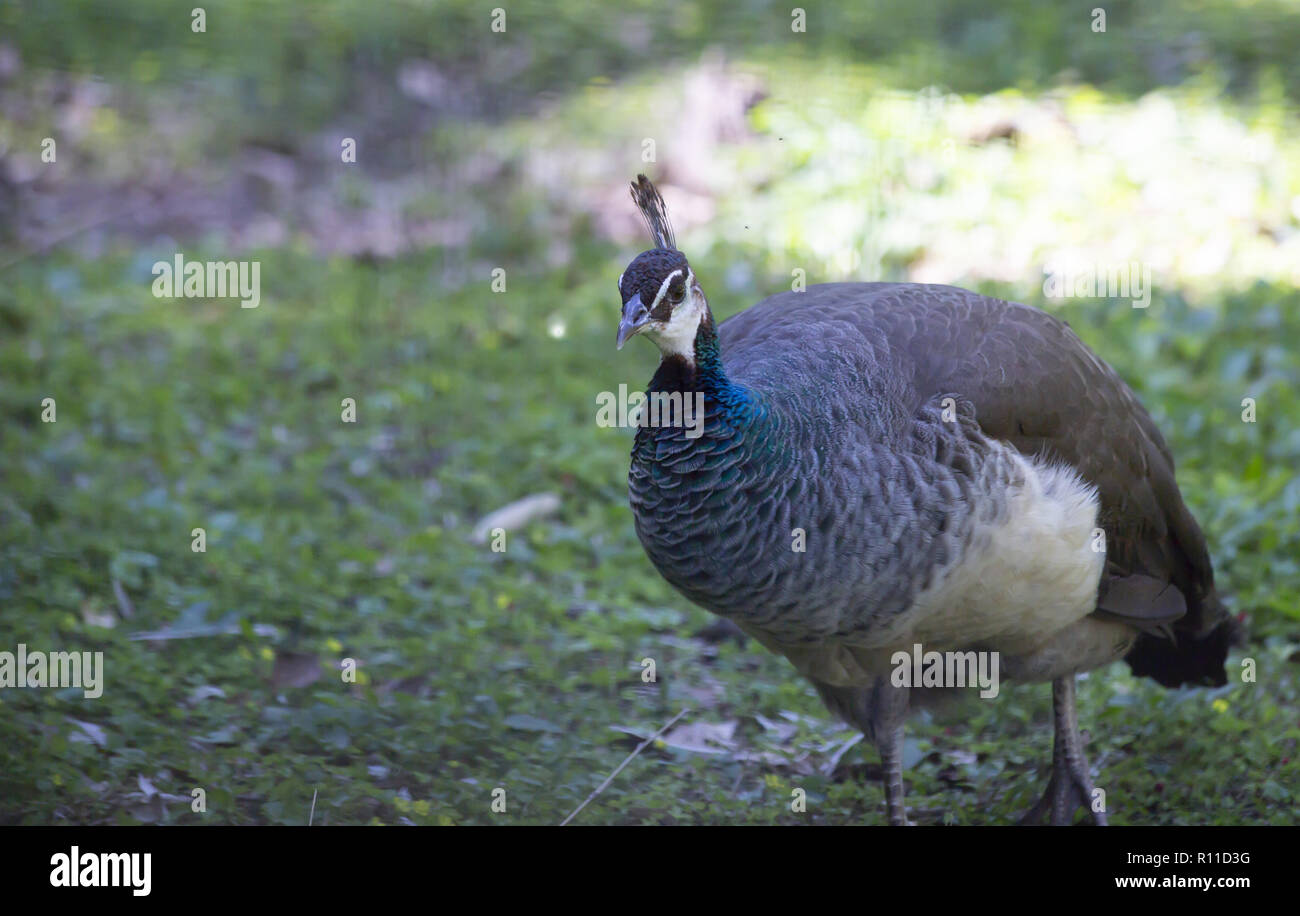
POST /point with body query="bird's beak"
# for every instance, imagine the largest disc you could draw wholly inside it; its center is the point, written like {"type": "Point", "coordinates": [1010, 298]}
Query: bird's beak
{"type": "Point", "coordinates": [634, 319]}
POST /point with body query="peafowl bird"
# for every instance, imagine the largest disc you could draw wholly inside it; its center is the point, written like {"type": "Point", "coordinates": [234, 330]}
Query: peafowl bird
{"type": "Point", "coordinates": [883, 466]}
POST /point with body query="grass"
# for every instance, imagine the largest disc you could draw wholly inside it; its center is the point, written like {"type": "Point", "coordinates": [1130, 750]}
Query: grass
{"type": "Point", "coordinates": [329, 541]}
{"type": "Point", "coordinates": [481, 670]}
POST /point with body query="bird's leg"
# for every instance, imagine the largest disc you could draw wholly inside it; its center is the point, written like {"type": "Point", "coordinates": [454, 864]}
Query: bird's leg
{"type": "Point", "coordinates": [889, 710]}
{"type": "Point", "coordinates": [891, 756]}
{"type": "Point", "coordinates": [1070, 786]}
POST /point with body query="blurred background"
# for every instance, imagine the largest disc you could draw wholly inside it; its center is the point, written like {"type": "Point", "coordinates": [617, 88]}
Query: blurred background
{"type": "Point", "coordinates": [457, 282]}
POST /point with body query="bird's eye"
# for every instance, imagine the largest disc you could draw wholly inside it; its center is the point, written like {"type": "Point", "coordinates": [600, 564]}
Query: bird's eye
{"type": "Point", "coordinates": [676, 290]}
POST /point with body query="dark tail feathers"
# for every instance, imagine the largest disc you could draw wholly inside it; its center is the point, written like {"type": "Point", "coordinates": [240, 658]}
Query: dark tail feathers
{"type": "Point", "coordinates": [1186, 659]}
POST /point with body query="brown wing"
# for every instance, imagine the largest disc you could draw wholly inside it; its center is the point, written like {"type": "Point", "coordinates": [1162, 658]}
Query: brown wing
{"type": "Point", "coordinates": [1035, 384]}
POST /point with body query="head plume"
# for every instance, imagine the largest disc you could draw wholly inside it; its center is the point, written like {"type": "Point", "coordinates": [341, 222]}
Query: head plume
{"type": "Point", "coordinates": [651, 204]}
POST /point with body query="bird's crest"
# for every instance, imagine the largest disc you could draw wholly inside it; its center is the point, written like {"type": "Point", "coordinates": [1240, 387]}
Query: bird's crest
{"type": "Point", "coordinates": [651, 204]}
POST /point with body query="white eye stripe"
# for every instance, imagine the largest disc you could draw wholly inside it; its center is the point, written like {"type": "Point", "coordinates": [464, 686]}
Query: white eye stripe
{"type": "Point", "coordinates": [620, 281]}
{"type": "Point", "coordinates": [663, 287]}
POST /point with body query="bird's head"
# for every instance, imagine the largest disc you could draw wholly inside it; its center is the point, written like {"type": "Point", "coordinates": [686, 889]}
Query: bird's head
{"type": "Point", "coordinates": [661, 297]}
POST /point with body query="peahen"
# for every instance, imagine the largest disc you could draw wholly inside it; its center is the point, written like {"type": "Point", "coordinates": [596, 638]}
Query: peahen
{"type": "Point", "coordinates": [882, 466]}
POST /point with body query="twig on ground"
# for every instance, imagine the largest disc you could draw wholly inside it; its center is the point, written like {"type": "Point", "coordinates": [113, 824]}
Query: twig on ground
{"type": "Point", "coordinates": [639, 748]}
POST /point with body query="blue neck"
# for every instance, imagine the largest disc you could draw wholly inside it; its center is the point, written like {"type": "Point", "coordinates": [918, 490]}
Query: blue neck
{"type": "Point", "coordinates": [707, 375]}
{"type": "Point", "coordinates": [733, 404]}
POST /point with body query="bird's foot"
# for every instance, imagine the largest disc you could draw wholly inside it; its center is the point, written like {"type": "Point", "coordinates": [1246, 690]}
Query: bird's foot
{"type": "Point", "coordinates": [1067, 791]}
